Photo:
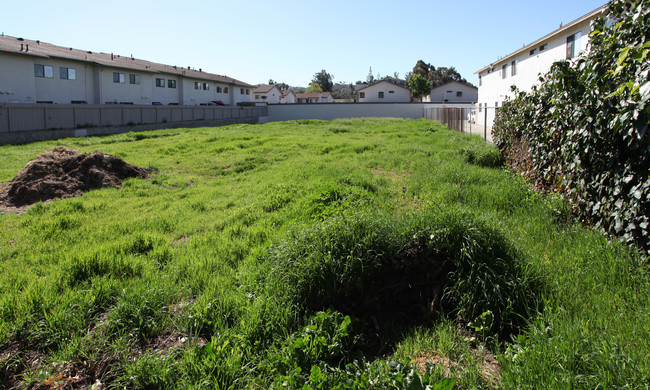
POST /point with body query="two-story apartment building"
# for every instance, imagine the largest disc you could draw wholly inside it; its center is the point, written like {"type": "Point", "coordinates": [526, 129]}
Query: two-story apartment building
{"type": "Point", "coordinates": [35, 71]}
{"type": "Point", "coordinates": [523, 67]}
{"type": "Point", "coordinates": [384, 92]}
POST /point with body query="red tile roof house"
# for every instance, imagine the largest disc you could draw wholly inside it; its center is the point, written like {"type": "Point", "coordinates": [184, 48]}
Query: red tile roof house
{"type": "Point", "coordinates": [315, 97]}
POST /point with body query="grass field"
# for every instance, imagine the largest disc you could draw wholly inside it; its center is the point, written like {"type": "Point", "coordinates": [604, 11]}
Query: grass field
{"type": "Point", "coordinates": [371, 253]}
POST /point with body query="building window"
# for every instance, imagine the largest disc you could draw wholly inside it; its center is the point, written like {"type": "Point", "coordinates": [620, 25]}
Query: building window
{"type": "Point", "coordinates": [533, 52]}
{"type": "Point", "coordinates": [513, 68]}
{"type": "Point", "coordinates": [119, 78]}
{"type": "Point", "coordinates": [134, 79]}
{"type": "Point", "coordinates": [197, 85]}
{"type": "Point", "coordinates": [480, 80]}
{"type": "Point", "coordinates": [225, 90]}
{"type": "Point", "coordinates": [206, 86]}
{"type": "Point", "coordinates": [43, 71]}
{"type": "Point", "coordinates": [391, 91]}
{"type": "Point", "coordinates": [67, 73]}
{"type": "Point", "coordinates": [459, 93]}
{"type": "Point", "coordinates": [248, 91]}
{"type": "Point", "coordinates": [362, 95]}
{"type": "Point", "coordinates": [160, 83]}
{"type": "Point", "coordinates": [257, 97]}
{"type": "Point", "coordinates": [543, 47]}
{"type": "Point", "coordinates": [381, 95]}
{"type": "Point", "coordinates": [218, 89]}
{"type": "Point", "coordinates": [171, 83]}
{"type": "Point", "coordinates": [504, 71]}
{"type": "Point", "coordinates": [241, 91]}
{"type": "Point", "coordinates": [570, 46]}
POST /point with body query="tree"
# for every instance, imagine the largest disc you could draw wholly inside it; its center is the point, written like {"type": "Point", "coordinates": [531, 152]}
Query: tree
{"type": "Point", "coordinates": [419, 86]}
{"type": "Point", "coordinates": [437, 76]}
{"type": "Point", "coordinates": [324, 80]}
{"type": "Point", "coordinates": [314, 87]}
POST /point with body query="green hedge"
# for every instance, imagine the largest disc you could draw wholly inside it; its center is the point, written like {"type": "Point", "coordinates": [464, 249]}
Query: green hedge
{"type": "Point", "coordinates": [585, 126]}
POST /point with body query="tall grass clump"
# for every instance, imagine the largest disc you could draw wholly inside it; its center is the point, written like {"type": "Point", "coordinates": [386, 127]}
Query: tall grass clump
{"type": "Point", "coordinates": [405, 270]}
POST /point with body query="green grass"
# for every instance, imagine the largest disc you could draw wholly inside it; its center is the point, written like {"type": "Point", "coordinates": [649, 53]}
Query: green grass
{"type": "Point", "coordinates": [314, 253]}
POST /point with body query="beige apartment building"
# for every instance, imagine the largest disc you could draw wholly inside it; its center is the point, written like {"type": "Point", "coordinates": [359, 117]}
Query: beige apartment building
{"type": "Point", "coordinates": [40, 72]}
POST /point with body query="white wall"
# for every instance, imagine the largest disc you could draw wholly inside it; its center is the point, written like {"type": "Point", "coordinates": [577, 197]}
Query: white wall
{"type": "Point", "coordinates": [289, 98]}
{"type": "Point", "coordinates": [18, 83]}
{"type": "Point", "coordinates": [287, 112]}
{"type": "Point", "coordinates": [494, 88]}
{"type": "Point", "coordinates": [449, 92]}
{"type": "Point", "coordinates": [392, 93]}
{"type": "Point", "coordinates": [273, 96]}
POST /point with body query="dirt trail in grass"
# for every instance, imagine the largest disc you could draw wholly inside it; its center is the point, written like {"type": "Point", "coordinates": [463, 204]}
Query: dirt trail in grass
{"type": "Point", "coordinates": [64, 173]}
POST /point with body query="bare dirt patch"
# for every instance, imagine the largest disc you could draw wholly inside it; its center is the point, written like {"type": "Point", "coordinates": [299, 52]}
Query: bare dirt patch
{"type": "Point", "coordinates": [64, 173]}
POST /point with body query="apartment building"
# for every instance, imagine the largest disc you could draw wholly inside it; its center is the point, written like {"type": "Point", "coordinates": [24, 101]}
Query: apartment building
{"type": "Point", "coordinates": [523, 67]}
{"type": "Point", "coordinates": [38, 72]}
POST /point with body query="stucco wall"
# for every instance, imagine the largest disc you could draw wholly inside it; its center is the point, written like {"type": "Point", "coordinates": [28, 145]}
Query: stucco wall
{"type": "Point", "coordinates": [392, 94]}
{"type": "Point", "coordinates": [449, 92]}
{"type": "Point", "coordinates": [330, 111]}
{"type": "Point", "coordinates": [494, 88]}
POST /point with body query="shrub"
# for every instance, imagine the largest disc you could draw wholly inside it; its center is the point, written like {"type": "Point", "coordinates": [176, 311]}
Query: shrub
{"type": "Point", "coordinates": [586, 125]}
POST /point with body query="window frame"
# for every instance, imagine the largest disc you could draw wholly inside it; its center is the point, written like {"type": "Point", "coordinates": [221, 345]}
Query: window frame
{"type": "Point", "coordinates": [44, 71]}
{"type": "Point", "coordinates": [570, 46]}
{"type": "Point", "coordinates": [513, 68]}
{"type": "Point", "coordinates": [66, 73]}
{"type": "Point", "coordinates": [380, 95]}
{"type": "Point", "coordinates": [171, 83]}
{"type": "Point", "coordinates": [119, 78]}
{"type": "Point", "coordinates": [160, 83]}
{"type": "Point", "coordinates": [134, 79]}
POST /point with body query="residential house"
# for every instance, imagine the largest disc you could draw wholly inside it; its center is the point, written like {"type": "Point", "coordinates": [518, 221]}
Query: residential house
{"type": "Point", "coordinates": [314, 97]}
{"type": "Point", "coordinates": [270, 94]}
{"type": "Point", "coordinates": [453, 92]}
{"type": "Point", "coordinates": [38, 72]}
{"type": "Point", "coordinates": [288, 96]}
{"type": "Point", "coordinates": [384, 92]}
{"type": "Point", "coordinates": [523, 67]}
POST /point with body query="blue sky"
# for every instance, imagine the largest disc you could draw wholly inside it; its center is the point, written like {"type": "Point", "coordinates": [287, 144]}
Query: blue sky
{"type": "Point", "coordinates": [289, 41]}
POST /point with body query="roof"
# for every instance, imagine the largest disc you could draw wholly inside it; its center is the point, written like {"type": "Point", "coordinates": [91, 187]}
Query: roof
{"type": "Point", "coordinates": [383, 81]}
{"type": "Point", "coordinates": [313, 95]}
{"type": "Point", "coordinates": [39, 49]}
{"type": "Point", "coordinates": [454, 81]}
{"type": "Point", "coordinates": [285, 92]}
{"type": "Point", "coordinates": [264, 88]}
{"type": "Point", "coordinates": [590, 16]}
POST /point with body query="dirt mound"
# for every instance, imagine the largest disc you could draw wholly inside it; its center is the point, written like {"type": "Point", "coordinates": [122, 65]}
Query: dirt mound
{"type": "Point", "coordinates": [64, 173]}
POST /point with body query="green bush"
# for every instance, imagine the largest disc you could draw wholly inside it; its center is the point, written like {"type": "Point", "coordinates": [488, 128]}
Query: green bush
{"type": "Point", "coordinates": [585, 127]}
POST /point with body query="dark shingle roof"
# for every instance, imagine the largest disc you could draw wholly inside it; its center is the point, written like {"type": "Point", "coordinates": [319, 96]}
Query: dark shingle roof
{"type": "Point", "coordinates": [40, 49]}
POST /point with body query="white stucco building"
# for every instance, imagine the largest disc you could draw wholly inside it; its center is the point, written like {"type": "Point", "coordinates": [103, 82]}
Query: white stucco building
{"type": "Point", "coordinates": [35, 71]}
{"type": "Point", "coordinates": [523, 67]}
{"type": "Point", "coordinates": [384, 92]}
{"type": "Point", "coordinates": [314, 97]}
{"type": "Point", "coordinates": [453, 92]}
{"type": "Point", "coordinates": [270, 94]}
{"type": "Point", "coordinates": [288, 96]}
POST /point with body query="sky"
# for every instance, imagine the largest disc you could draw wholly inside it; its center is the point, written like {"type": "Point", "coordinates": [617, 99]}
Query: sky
{"type": "Point", "coordinates": [289, 41]}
